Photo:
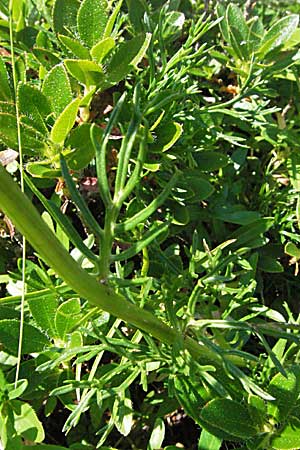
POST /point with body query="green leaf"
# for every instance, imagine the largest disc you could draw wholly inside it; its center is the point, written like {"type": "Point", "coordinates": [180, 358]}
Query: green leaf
{"type": "Point", "coordinates": [269, 264]}
{"type": "Point", "coordinates": [5, 91]}
{"type": "Point", "coordinates": [102, 48]}
{"type": "Point", "coordinates": [167, 135]}
{"type": "Point", "coordinates": [278, 34]}
{"type": "Point", "coordinates": [15, 391]}
{"type": "Point", "coordinates": [127, 55]}
{"type": "Point", "coordinates": [234, 214]}
{"type": "Point", "coordinates": [188, 396]}
{"type": "Point", "coordinates": [91, 20]}
{"type": "Point", "coordinates": [209, 442]}
{"type": "Point", "coordinates": [48, 447]}
{"type": "Point", "coordinates": [43, 311]}
{"type": "Point", "coordinates": [46, 57]}
{"type": "Point", "coordinates": [289, 438]}
{"type": "Point", "coordinates": [192, 187]}
{"type": "Point", "coordinates": [65, 122]}
{"type": "Point", "coordinates": [227, 419]}
{"type": "Point", "coordinates": [31, 138]}
{"type": "Point", "coordinates": [62, 220]}
{"type": "Point", "coordinates": [81, 143]}
{"type": "Point", "coordinates": [122, 413]}
{"type": "Point", "coordinates": [33, 339]}
{"type": "Point", "coordinates": [112, 18]}
{"type": "Point", "coordinates": [286, 391]}
{"type": "Point", "coordinates": [75, 46]}
{"type": "Point", "coordinates": [67, 316]}
{"type": "Point", "coordinates": [65, 16]}
{"type": "Point", "coordinates": [248, 234]}
{"type": "Point", "coordinates": [34, 106]}
{"type": "Point", "coordinates": [42, 169]}
{"type": "Point", "coordinates": [208, 161]}
{"type": "Point", "coordinates": [79, 200]}
{"type": "Point", "coordinates": [292, 250]}
{"type": "Point", "coordinates": [155, 231]}
{"type": "Point", "coordinates": [86, 72]}
{"type": "Point", "coordinates": [57, 88]}
{"type": "Point", "coordinates": [157, 435]}
{"type": "Point", "coordinates": [26, 422]}
{"type": "Point", "coordinates": [238, 30]}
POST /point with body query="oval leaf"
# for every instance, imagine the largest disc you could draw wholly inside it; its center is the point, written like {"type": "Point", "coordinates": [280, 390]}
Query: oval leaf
{"type": "Point", "coordinates": [33, 339]}
{"type": "Point", "coordinates": [86, 72]}
{"type": "Point", "coordinates": [278, 34]}
{"type": "Point", "coordinates": [91, 21]}
{"type": "Point", "coordinates": [57, 88]}
{"type": "Point", "coordinates": [65, 15]}
{"type": "Point", "coordinates": [64, 123]}
{"type": "Point", "coordinates": [227, 419]}
{"type": "Point", "coordinates": [208, 161]}
{"type": "Point", "coordinates": [67, 316]}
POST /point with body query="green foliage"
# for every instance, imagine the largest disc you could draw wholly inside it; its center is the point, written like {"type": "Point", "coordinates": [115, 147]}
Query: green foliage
{"type": "Point", "coordinates": [161, 156]}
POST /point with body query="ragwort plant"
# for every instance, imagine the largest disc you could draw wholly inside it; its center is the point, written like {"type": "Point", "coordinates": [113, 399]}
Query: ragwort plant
{"type": "Point", "coordinates": [141, 133]}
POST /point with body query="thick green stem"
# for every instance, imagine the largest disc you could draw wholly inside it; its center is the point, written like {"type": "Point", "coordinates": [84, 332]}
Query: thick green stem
{"type": "Point", "coordinates": [28, 221]}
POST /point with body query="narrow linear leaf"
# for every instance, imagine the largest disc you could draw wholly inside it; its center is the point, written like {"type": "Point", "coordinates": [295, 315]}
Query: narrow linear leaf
{"type": "Point", "coordinates": [112, 18]}
{"type": "Point", "coordinates": [62, 220]}
{"type": "Point", "coordinates": [79, 201]}
{"type": "Point", "coordinates": [148, 237]}
{"type": "Point", "coordinates": [141, 216]}
{"type": "Point", "coordinates": [157, 435]}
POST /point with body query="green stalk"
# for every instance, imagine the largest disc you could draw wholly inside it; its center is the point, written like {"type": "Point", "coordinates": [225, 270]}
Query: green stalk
{"type": "Point", "coordinates": [20, 149]}
{"type": "Point", "coordinates": [28, 221]}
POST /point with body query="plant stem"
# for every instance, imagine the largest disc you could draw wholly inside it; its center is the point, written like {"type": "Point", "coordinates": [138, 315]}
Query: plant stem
{"type": "Point", "coordinates": [26, 218]}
